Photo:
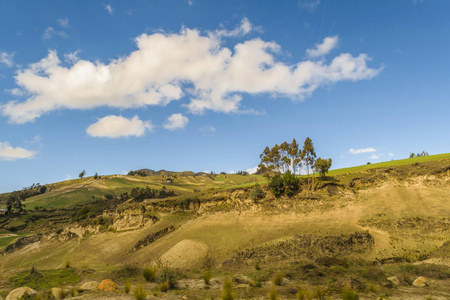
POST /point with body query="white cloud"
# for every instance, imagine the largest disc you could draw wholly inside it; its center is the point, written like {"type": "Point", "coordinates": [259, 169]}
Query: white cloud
{"type": "Point", "coordinates": [391, 154]}
{"type": "Point", "coordinates": [118, 126]}
{"type": "Point", "coordinates": [7, 152]}
{"type": "Point", "coordinates": [190, 2]}
{"type": "Point", "coordinates": [310, 5]}
{"type": "Point", "coordinates": [231, 172]}
{"type": "Point", "coordinates": [176, 121]}
{"type": "Point", "coordinates": [207, 128]}
{"type": "Point", "coordinates": [166, 67]}
{"type": "Point", "coordinates": [15, 92]}
{"type": "Point", "coordinates": [67, 177]}
{"type": "Point", "coordinates": [323, 49]}
{"type": "Point", "coordinates": [72, 57]}
{"type": "Point", "coordinates": [364, 150]}
{"type": "Point", "coordinates": [252, 170]}
{"type": "Point", "coordinates": [6, 59]}
{"type": "Point", "coordinates": [63, 22]}
{"type": "Point", "coordinates": [374, 156]}
{"type": "Point", "coordinates": [109, 9]}
{"type": "Point", "coordinates": [50, 32]}
{"type": "Point", "coordinates": [244, 28]}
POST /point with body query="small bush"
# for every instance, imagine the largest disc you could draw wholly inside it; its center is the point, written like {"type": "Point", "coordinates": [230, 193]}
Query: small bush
{"type": "Point", "coordinates": [67, 263]}
{"type": "Point", "coordinates": [319, 293]}
{"type": "Point", "coordinates": [168, 275]}
{"type": "Point", "coordinates": [257, 193]}
{"type": "Point", "coordinates": [164, 286]}
{"type": "Point", "coordinates": [278, 278]}
{"type": "Point", "coordinates": [304, 294]}
{"type": "Point", "coordinates": [257, 267]}
{"type": "Point", "coordinates": [273, 293]}
{"type": "Point", "coordinates": [127, 287]}
{"type": "Point", "coordinates": [139, 293]}
{"type": "Point", "coordinates": [373, 288]}
{"type": "Point", "coordinates": [290, 183]}
{"type": "Point", "coordinates": [73, 292]}
{"type": "Point", "coordinates": [349, 294]}
{"type": "Point", "coordinates": [257, 284]}
{"type": "Point", "coordinates": [149, 273]}
{"type": "Point", "coordinates": [228, 290]}
{"type": "Point", "coordinates": [276, 185]}
{"type": "Point", "coordinates": [207, 276]}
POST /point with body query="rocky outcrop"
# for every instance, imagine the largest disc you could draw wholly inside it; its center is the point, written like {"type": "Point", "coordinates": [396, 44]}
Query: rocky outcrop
{"type": "Point", "coordinates": [133, 219]}
{"type": "Point", "coordinates": [153, 237]}
{"type": "Point", "coordinates": [89, 286]}
{"type": "Point", "coordinates": [22, 242]}
{"type": "Point", "coordinates": [20, 292]}
{"type": "Point", "coordinates": [420, 282]}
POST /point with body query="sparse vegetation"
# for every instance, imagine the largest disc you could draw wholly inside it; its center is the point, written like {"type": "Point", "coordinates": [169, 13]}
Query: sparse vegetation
{"type": "Point", "coordinates": [140, 293]}
{"type": "Point", "coordinates": [349, 294]}
{"type": "Point", "coordinates": [149, 273]}
{"type": "Point", "coordinates": [273, 293]}
{"type": "Point", "coordinates": [207, 276]}
{"type": "Point", "coordinates": [127, 287]}
{"type": "Point", "coordinates": [227, 293]}
{"type": "Point", "coordinates": [257, 193]}
{"type": "Point", "coordinates": [278, 278]}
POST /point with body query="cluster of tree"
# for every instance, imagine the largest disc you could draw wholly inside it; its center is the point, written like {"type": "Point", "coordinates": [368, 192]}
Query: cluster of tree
{"type": "Point", "coordinates": [423, 153]}
{"type": "Point", "coordinates": [14, 200]}
{"type": "Point", "coordinates": [243, 173]}
{"type": "Point", "coordinates": [137, 173]}
{"type": "Point", "coordinates": [148, 193]}
{"type": "Point", "coordinates": [290, 157]}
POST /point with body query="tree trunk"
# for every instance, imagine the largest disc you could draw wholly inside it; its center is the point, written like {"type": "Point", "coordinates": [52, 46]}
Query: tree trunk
{"type": "Point", "coordinates": [312, 187]}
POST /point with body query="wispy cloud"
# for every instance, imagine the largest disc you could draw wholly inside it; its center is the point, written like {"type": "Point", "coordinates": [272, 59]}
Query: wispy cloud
{"type": "Point", "coordinates": [109, 9]}
{"type": "Point", "coordinates": [63, 22]}
{"type": "Point", "coordinates": [50, 32]}
{"type": "Point", "coordinates": [72, 57]}
{"type": "Point", "coordinates": [310, 5]}
{"type": "Point", "coordinates": [324, 48]}
{"type": "Point", "coordinates": [244, 28]}
{"type": "Point", "coordinates": [176, 121]}
{"type": "Point", "coordinates": [207, 128]}
{"type": "Point", "coordinates": [157, 72]}
{"type": "Point", "coordinates": [6, 58]}
{"type": "Point", "coordinates": [374, 156]}
{"type": "Point", "coordinates": [252, 170]}
{"type": "Point", "coordinates": [7, 152]}
{"type": "Point", "coordinates": [364, 150]}
{"type": "Point", "coordinates": [118, 126]}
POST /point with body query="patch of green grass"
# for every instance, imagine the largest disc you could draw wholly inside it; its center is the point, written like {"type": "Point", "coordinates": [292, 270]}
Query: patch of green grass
{"type": "Point", "coordinates": [400, 162]}
{"type": "Point", "coordinates": [7, 240]}
{"type": "Point", "coordinates": [45, 279]}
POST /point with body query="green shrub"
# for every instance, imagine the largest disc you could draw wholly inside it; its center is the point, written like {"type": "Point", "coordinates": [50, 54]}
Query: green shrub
{"type": "Point", "coordinates": [349, 294]}
{"type": "Point", "coordinates": [290, 182]}
{"type": "Point", "coordinates": [149, 273]}
{"type": "Point", "coordinates": [164, 286]}
{"type": "Point", "coordinates": [319, 294]}
{"type": "Point", "coordinates": [257, 283]}
{"type": "Point", "coordinates": [168, 275]}
{"type": "Point", "coordinates": [257, 267]}
{"type": "Point", "coordinates": [228, 290]}
{"type": "Point", "coordinates": [127, 287]}
{"type": "Point", "coordinates": [304, 294]}
{"type": "Point", "coordinates": [276, 185]}
{"type": "Point", "coordinates": [139, 293]}
{"type": "Point", "coordinates": [373, 288]}
{"type": "Point", "coordinates": [273, 293]}
{"type": "Point", "coordinates": [257, 193]}
{"type": "Point", "coordinates": [278, 278]}
{"type": "Point", "coordinates": [207, 276]}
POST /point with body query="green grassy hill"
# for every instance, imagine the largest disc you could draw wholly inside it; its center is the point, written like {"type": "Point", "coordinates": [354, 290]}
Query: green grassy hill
{"type": "Point", "coordinates": [360, 226]}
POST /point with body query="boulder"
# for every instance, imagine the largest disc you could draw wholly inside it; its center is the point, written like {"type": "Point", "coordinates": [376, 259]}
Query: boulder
{"type": "Point", "coordinates": [59, 293]}
{"type": "Point", "coordinates": [19, 292]}
{"type": "Point", "coordinates": [89, 286]}
{"type": "Point", "coordinates": [241, 279]}
{"type": "Point", "coordinates": [394, 280]}
{"type": "Point", "coordinates": [420, 282]}
{"type": "Point", "coordinates": [107, 285]}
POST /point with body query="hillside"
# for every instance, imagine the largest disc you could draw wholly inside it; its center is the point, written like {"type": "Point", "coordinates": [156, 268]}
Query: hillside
{"type": "Point", "coordinates": [359, 227]}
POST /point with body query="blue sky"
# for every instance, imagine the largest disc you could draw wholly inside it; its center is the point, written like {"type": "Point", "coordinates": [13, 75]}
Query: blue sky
{"type": "Point", "coordinates": [113, 86]}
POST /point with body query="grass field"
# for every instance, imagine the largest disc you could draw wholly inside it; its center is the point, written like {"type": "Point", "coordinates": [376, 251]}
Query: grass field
{"type": "Point", "coordinates": [392, 163]}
